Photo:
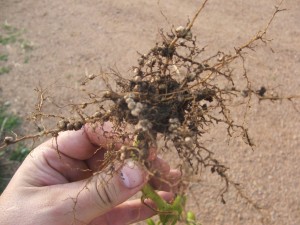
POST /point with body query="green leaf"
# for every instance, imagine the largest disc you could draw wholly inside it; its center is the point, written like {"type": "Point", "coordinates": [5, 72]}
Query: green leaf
{"type": "Point", "coordinates": [4, 57]}
{"type": "Point", "coordinates": [4, 70]}
{"type": "Point", "coordinates": [150, 222]}
{"type": "Point", "coordinates": [19, 154]}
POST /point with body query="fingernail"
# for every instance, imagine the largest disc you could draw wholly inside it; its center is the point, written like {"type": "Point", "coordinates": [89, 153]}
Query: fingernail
{"type": "Point", "coordinates": [132, 175]}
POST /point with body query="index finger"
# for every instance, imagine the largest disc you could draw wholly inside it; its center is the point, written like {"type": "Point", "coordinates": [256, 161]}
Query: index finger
{"type": "Point", "coordinates": [83, 143]}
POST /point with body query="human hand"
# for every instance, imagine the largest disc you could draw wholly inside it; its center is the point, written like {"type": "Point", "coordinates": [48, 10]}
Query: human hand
{"type": "Point", "coordinates": [47, 189]}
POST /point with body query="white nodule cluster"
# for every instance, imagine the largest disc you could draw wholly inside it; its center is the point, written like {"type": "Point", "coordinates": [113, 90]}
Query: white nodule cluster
{"type": "Point", "coordinates": [129, 96]}
{"type": "Point", "coordinates": [131, 105]}
{"type": "Point", "coordinates": [135, 107]}
{"type": "Point", "coordinates": [174, 124]}
{"type": "Point", "coordinates": [136, 71]}
{"type": "Point", "coordinates": [137, 78]}
{"type": "Point", "coordinates": [137, 110]}
{"type": "Point", "coordinates": [144, 124]}
{"type": "Point", "coordinates": [182, 32]}
{"type": "Point", "coordinates": [189, 141]}
{"type": "Point", "coordinates": [123, 150]}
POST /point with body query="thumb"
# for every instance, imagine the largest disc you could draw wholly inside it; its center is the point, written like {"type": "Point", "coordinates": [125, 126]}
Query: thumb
{"type": "Point", "coordinates": [95, 196]}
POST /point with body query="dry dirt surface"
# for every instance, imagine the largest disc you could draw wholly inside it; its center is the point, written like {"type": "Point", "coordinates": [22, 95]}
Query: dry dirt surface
{"type": "Point", "coordinates": [72, 38]}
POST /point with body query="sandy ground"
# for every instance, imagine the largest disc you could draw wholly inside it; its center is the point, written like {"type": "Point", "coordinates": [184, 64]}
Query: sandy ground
{"type": "Point", "coordinates": [73, 37]}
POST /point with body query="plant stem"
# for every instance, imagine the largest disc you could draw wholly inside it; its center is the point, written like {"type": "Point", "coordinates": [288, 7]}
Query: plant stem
{"type": "Point", "coordinates": [149, 192]}
{"type": "Point", "coordinates": [168, 213]}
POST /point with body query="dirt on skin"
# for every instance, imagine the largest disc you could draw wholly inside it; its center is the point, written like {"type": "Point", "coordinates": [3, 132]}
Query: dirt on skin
{"type": "Point", "coordinates": [71, 38]}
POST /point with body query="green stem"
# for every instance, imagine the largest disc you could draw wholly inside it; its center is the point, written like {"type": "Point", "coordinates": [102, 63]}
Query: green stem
{"type": "Point", "coordinates": [168, 213]}
{"type": "Point", "coordinates": [149, 192]}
